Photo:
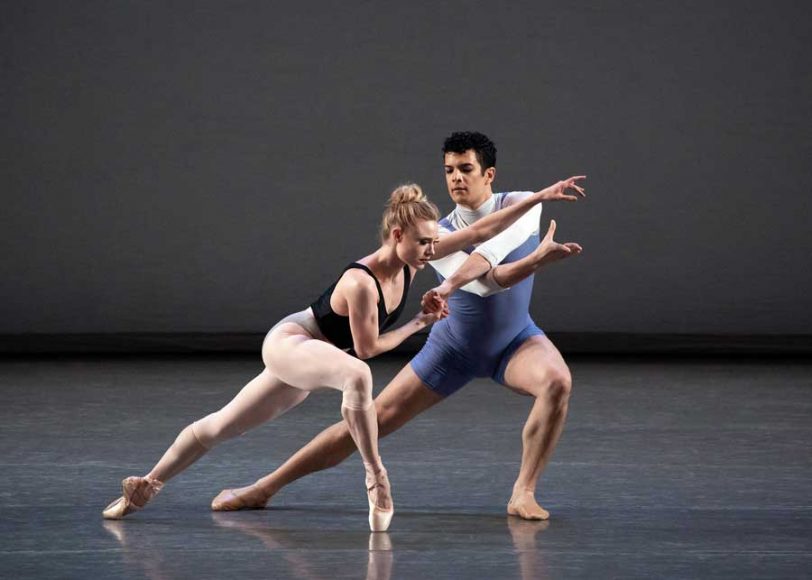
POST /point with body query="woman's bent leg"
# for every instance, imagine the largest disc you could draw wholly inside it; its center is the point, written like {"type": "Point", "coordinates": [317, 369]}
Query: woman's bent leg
{"type": "Point", "coordinates": [308, 363]}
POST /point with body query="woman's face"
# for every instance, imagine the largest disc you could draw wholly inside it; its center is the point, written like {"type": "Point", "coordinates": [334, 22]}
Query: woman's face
{"type": "Point", "coordinates": [415, 244]}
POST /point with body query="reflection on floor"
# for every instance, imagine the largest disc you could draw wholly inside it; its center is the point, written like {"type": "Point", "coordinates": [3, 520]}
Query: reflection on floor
{"type": "Point", "coordinates": [668, 468]}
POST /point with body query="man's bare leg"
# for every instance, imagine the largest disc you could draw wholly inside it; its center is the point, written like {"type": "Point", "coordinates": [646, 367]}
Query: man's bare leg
{"type": "Point", "coordinates": [537, 369]}
{"type": "Point", "coordinates": [401, 400]}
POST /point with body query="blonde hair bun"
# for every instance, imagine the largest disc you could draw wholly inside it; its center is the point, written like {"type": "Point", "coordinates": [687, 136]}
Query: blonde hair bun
{"type": "Point", "coordinates": [407, 204]}
{"type": "Point", "coordinates": [407, 193]}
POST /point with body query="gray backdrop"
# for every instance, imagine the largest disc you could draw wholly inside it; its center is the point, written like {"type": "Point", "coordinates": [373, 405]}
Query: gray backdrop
{"type": "Point", "coordinates": [210, 166]}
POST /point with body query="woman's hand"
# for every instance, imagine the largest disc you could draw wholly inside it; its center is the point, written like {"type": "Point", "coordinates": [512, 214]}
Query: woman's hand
{"type": "Point", "coordinates": [434, 308]}
{"type": "Point", "coordinates": [436, 298]}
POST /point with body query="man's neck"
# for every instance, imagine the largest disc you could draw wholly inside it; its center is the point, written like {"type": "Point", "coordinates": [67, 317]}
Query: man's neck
{"type": "Point", "coordinates": [475, 205]}
{"type": "Point", "coordinates": [468, 215]}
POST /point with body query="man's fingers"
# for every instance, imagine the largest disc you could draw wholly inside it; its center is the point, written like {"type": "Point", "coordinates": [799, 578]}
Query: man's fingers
{"type": "Point", "coordinates": [550, 231]}
{"type": "Point", "coordinates": [572, 183]}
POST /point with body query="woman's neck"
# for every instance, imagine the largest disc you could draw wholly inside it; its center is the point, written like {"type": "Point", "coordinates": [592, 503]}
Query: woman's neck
{"type": "Point", "coordinates": [384, 262]}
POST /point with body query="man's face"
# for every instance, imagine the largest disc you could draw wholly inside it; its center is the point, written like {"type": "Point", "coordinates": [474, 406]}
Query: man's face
{"type": "Point", "coordinates": [467, 185]}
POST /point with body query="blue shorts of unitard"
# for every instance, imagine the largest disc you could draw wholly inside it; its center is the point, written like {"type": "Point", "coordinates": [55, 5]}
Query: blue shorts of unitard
{"type": "Point", "coordinates": [446, 367]}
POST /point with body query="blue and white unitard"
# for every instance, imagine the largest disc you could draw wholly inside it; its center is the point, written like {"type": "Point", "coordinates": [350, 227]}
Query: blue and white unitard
{"type": "Point", "coordinates": [487, 323]}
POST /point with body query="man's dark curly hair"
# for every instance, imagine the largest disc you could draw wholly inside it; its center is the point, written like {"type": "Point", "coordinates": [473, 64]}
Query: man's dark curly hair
{"type": "Point", "coordinates": [462, 141]}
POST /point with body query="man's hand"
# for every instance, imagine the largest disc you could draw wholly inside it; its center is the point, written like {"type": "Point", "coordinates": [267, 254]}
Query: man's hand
{"type": "Point", "coordinates": [558, 191]}
{"type": "Point", "coordinates": [550, 251]}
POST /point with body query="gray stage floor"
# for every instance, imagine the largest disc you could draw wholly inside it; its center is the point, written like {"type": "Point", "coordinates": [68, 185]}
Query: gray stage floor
{"type": "Point", "coordinates": [668, 468]}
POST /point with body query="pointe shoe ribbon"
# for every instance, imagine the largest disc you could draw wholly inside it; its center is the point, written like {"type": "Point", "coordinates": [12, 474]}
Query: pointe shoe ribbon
{"type": "Point", "coordinates": [136, 493]}
{"type": "Point", "coordinates": [379, 518]}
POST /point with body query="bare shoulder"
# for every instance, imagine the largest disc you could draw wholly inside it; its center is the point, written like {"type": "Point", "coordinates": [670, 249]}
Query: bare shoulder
{"type": "Point", "coordinates": [356, 282]}
{"type": "Point", "coordinates": [354, 289]}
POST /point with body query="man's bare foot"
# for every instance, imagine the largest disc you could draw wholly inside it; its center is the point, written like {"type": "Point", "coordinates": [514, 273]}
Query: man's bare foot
{"type": "Point", "coordinates": [524, 505]}
{"type": "Point", "coordinates": [244, 498]}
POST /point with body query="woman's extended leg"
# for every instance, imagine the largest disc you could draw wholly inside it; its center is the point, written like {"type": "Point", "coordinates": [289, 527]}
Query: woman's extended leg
{"type": "Point", "coordinates": [262, 399]}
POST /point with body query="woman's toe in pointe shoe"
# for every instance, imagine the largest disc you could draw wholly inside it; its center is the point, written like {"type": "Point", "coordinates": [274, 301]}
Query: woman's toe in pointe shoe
{"type": "Point", "coordinates": [379, 519]}
{"type": "Point", "coordinates": [116, 510]}
{"type": "Point", "coordinates": [380, 516]}
{"type": "Point", "coordinates": [136, 492]}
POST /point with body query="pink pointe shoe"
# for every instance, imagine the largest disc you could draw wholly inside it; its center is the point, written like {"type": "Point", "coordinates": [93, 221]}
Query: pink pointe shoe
{"type": "Point", "coordinates": [379, 518]}
{"type": "Point", "coordinates": [137, 491]}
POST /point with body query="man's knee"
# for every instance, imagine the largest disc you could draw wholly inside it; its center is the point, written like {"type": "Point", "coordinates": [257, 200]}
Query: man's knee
{"type": "Point", "coordinates": [560, 384]}
{"type": "Point", "coordinates": [553, 383]}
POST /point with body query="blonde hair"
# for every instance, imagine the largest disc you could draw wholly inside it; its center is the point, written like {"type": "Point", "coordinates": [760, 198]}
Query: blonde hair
{"type": "Point", "coordinates": [406, 206]}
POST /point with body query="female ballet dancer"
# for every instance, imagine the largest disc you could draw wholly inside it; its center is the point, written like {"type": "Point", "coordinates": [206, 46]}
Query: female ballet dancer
{"type": "Point", "coordinates": [308, 350]}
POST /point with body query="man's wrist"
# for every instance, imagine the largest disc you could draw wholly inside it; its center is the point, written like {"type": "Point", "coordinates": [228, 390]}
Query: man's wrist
{"type": "Point", "coordinates": [542, 258]}
{"type": "Point", "coordinates": [544, 194]}
{"type": "Point", "coordinates": [455, 283]}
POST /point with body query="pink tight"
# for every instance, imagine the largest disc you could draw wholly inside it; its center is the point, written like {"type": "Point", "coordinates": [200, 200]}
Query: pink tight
{"type": "Point", "coordinates": [296, 363]}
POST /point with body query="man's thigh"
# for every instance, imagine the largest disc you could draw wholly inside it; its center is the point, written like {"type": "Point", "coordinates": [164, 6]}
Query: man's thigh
{"type": "Point", "coordinates": [405, 397]}
{"type": "Point", "coordinates": [534, 366]}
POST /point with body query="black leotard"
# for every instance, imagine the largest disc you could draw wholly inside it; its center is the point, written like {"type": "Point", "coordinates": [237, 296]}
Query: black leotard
{"type": "Point", "coordinates": [336, 328]}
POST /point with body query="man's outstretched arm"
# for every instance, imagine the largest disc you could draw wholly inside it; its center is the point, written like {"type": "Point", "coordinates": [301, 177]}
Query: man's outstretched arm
{"type": "Point", "coordinates": [468, 273]}
{"type": "Point", "coordinates": [548, 251]}
{"type": "Point", "coordinates": [504, 275]}
{"type": "Point", "coordinates": [499, 246]}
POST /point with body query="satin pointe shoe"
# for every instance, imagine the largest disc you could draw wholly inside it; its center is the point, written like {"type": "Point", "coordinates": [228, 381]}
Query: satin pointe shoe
{"type": "Point", "coordinates": [379, 518]}
{"type": "Point", "coordinates": [137, 491]}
